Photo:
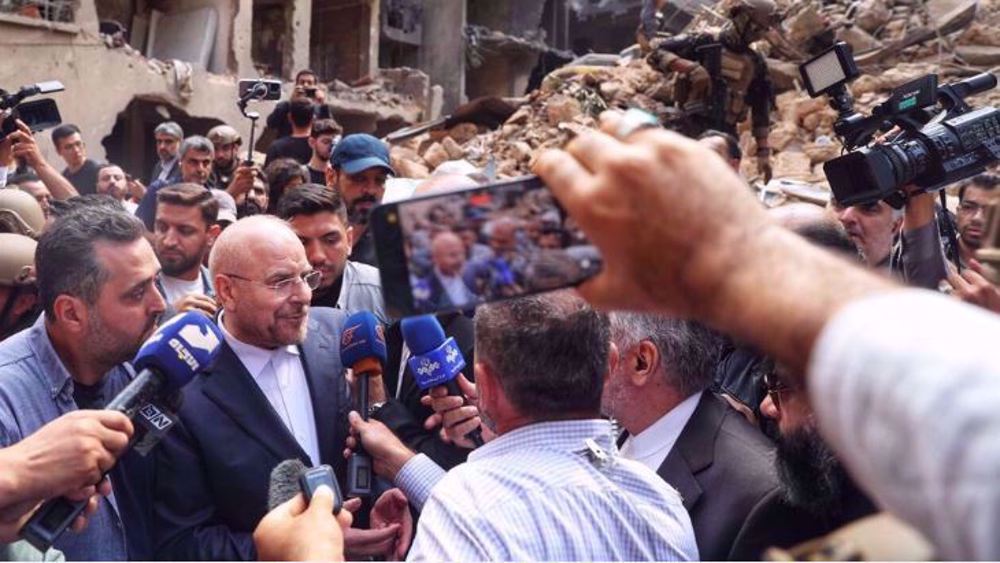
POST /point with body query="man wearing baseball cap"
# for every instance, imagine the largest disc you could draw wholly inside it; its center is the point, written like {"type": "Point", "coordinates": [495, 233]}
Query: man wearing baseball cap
{"type": "Point", "coordinates": [360, 165]}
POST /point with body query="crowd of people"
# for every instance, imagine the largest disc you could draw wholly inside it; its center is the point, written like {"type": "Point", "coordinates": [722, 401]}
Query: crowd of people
{"type": "Point", "coordinates": [727, 379]}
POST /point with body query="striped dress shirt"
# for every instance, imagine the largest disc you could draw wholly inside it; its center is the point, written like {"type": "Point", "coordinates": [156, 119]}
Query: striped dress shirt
{"type": "Point", "coordinates": [541, 493]}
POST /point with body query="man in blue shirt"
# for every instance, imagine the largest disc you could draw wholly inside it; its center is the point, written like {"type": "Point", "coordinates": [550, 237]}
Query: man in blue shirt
{"type": "Point", "coordinates": [96, 275]}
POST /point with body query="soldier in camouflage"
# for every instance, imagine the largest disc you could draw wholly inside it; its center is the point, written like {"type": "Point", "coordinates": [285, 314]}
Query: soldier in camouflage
{"type": "Point", "coordinates": [720, 77]}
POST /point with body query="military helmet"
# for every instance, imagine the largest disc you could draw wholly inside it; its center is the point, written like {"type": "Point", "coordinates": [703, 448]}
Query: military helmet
{"type": "Point", "coordinates": [17, 260]}
{"type": "Point", "coordinates": [20, 213]}
{"type": "Point", "coordinates": [763, 12]}
{"type": "Point", "coordinates": [223, 135]}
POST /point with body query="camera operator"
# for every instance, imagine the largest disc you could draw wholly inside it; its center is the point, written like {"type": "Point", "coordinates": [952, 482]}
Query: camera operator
{"type": "Point", "coordinates": [22, 146]}
{"type": "Point", "coordinates": [306, 87]}
{"type": "Point", "coordinates": [853, 343]}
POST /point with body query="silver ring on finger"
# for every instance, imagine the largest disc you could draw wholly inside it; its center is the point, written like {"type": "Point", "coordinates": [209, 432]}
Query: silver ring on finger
{"type": "Point", "coordinates": [635, 119]}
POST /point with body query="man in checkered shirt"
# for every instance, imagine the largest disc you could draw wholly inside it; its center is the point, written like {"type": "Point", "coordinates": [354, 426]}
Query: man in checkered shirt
{"type": "Point", "coordinates": [550, 485]}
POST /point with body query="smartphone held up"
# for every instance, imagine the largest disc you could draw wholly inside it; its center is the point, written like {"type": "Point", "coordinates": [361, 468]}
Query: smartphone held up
{"type": "Point", "coordinates": [456, 250]}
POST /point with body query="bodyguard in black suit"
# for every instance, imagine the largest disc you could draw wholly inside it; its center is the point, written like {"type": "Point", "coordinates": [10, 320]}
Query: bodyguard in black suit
{"type": "Point", "coordinates": [250, 411]}
{"type": "Point", "coordinates": [721, 465]}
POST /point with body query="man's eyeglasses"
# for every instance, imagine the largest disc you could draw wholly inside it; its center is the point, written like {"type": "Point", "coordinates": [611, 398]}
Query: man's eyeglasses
{"type": "Point", "coordinates": [775, 387]}
{"type": "Point", "coordinates": [284, 286]}
{"type": "Point", "coordinates": [971, 207]}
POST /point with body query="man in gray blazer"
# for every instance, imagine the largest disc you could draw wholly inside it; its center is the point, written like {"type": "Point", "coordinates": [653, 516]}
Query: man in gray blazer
{"type": "Point", "coordinates": [722, 466]}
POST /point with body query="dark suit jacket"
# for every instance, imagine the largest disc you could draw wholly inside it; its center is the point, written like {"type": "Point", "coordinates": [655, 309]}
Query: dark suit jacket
{"type": "Point", "coordinates": [172, 178]}
{"type": "Point", "coordinates": [724, 469]}
{"type": "Point", "coordinates": [213, 470]}
{"type": "Point", "coordinates": [405, 416]}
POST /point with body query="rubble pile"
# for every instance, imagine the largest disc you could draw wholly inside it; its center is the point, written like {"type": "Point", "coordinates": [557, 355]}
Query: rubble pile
{"type": "Point", "coordinates": [895, 41]}
{"type": "Point", "coordinates": [569, 100]}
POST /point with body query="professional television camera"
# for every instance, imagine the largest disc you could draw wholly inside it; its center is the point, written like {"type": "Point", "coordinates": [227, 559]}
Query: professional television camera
{"type": "Point", "coordinates": [36, 114]}
{"type": "Point", "coordinates": [934, 138]}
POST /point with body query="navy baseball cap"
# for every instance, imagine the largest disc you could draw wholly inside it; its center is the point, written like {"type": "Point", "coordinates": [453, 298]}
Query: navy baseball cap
{"type": "Point", "coordinates": [358, 152]}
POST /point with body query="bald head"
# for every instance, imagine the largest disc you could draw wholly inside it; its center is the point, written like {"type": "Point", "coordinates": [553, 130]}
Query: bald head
{"type": "Point", "coordinates": [448, 253]}
{"type": "Point", "coordinates": [816, 224]}
{"type": "Point", "coordinates": [239, 247]}
{"type": "Point", "coordinates": [444, 183]}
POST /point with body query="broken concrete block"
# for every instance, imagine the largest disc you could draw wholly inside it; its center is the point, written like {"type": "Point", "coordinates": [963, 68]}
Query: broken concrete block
{"type": "Point", "coordinates": [435, 155]}
{"type": "Point", "coordinates": [398, 155]}
{"type": "Point", "coordinates": [523, 150]}
{"type": "Point", "coordinates": [463, 132]}
{"type": "Point", "coordinates": [610, 89]}
{"type": "Point", "coordinates": [561, 108]}
{"type": "Point", "coordinates": [411, 169]}
{"type": "Point", "coordinates": [859, 39]}
{"type": "Point", "coordinates": [783, 74]}
{"type": "Point", "coordinates": [454, 150]}
{"type": "Point", "coordinates": [781, 135]}
{"type": "Point", "coordinates": [806, 106]}
{"type": "Point", "coordinates": [520, 116]}
{"type": "Point", "coordinates": [792, 164]}
{"type": "Point", "coordinates": [980, 55]}
{"type": "Point", "coordinates": [872, 14]}
{"type": "Point", "coordinates": [805, 25]}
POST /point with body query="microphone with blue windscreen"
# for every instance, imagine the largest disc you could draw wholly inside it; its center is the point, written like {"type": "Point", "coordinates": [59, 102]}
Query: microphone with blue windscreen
{"type": "Point", "coordinates": [362, 348]}
{"type": "Point", "coordinates": [436, 360]}
{"type": "Point", "coordinates": [180, 349]}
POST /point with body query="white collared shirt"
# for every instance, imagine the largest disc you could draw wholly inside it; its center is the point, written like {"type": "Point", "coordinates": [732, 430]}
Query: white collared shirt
{"type": "Point", "coordinates": [651, 446]}
{"type": "Point", "coordinates": [167, 167]}
{"type": "Point", "coordinates": [280, 375]}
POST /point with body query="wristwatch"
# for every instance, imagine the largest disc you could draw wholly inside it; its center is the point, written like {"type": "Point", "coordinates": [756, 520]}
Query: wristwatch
{"type": "Point", "coordinates": [374, 409]}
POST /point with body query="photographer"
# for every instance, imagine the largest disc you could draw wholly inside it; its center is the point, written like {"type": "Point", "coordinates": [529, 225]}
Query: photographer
{"type": "Point", "coordinates": [307, 87]}
{"type": "Point", "coordinates": [854, 343]}
{"type": "Point", "coordinates": [22, 146]}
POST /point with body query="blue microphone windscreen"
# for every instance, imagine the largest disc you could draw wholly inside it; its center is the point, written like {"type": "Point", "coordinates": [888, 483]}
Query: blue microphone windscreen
{"type": "Point", "coordinates": [363, 337]}
{"type": "Point", "coordinates": [180, 348]}
{"type": "Point", "coordinates": [422, 334]}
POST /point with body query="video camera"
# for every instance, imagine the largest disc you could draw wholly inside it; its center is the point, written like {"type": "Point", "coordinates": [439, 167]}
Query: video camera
{"type": "Point", "coordinates": [940, 139]}
{"type": "Point", "coordinates": [36, 114]}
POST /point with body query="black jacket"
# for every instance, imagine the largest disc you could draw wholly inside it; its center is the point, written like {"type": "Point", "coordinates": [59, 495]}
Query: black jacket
{"type": "Point", "coordinates": [213, 470]}
{"type": "Point", "coordinates": [724, 470]}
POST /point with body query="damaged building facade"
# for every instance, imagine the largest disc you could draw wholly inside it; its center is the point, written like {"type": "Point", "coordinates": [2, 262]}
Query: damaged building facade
{"type": "Point", "coordinates": [130, 64]}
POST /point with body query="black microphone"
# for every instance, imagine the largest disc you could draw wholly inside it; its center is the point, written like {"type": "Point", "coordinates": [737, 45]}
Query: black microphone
{"type": "Point", "coordinates": [169, 359]}
{"type": "Point", "coordinates": [362, 347]}
{"type": "Point", "coordinates": [436, 360]}
{"type": "Point", "coordinates": [292, 477]}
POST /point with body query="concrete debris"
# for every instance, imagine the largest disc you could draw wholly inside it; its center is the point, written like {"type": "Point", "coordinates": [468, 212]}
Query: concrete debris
{"type": "Point", "coordinates": [895, 41]}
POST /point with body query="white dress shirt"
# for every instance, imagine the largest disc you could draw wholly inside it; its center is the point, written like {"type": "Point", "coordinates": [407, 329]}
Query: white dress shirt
{"type": "Point", "coordinates": [280, 375]}
{"type": "Point", "coordinates": [651, 446]}
{"type": "Point", "coordinates": [906, 387]}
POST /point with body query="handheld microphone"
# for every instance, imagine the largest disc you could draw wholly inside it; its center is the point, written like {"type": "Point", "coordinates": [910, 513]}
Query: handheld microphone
{"type": "Point", "coordinates": [168, 360]}
{"type": "Point", "coordinates": [436, 360]}
{"type": "Point", "coordinates": [292, 477]}
{"type": "Point", "coordinates": [362, 347]}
